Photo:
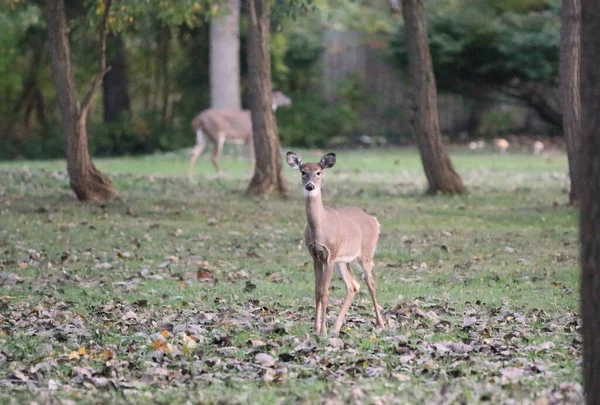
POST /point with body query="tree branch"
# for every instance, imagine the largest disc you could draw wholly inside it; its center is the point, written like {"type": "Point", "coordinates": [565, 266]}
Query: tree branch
{"type": "Point", "coordinates": [103, 68]}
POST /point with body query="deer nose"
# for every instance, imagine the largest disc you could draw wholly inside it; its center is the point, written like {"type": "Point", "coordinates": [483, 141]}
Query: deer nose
{"type": "Point", "coordinates": [309, 186]}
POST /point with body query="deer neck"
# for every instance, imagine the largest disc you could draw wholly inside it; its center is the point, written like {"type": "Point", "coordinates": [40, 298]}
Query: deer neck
{"type": "Point", "coordinates": [315, 214]}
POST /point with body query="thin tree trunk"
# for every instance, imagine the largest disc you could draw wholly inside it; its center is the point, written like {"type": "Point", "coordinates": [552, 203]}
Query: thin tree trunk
{"type": "Point", "coordinates": [590, 198]}
{"type": "Point", "coordinates": [438, 168]}
{"type": "Point", "coordinates": [569, 88]}
{"type": "Point", "coordinates": [40, 107]}
{"type": "Point", "coordinates": [164, 69]}
{"type": "Point", "coordinates": [225, 57]}
{"type": "Point", "coordinates": [116, 84]}
{"type": "Point", "coordinates": [268, 172]}
{"type": "Point", "coordinates": [87, 182]}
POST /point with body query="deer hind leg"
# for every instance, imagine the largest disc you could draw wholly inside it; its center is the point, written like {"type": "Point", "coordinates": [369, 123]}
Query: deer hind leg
{"type": "Point", "coordinates": [352, 287]}
{"type": "Point", "coordinates": [366, 263]}
{"type": "Point", "coordinates": [217, 150]}
{"type": "Point", "coordinates": [196, 152]}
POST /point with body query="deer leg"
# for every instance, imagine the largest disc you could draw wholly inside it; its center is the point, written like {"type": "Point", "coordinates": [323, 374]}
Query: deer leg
{"type": "Point", "coordinates": [196, 152]}
{"type": "Point", "coordinates": [318, 266]}
{"type": "Point", "coordinates": [352, 288]}
{"type": "Point", "coordinates": [367, 266]}
{"type": "Point", "coordinates": [216, 153]}
{"type": "Point", "coordinates": [251, 156]}
{"type": "Point", "coordinates": [326, 282]}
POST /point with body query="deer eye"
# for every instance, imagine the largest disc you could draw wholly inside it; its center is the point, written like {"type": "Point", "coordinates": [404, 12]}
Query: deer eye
{"type": "Point", "coordinates": [303, 174]}
{"type": "Point", "coordinates": [318, 173]}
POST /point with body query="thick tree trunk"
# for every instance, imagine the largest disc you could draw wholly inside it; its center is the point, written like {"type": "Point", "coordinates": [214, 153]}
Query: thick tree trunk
{"type": "Point", "coordinates": [87, 182]}
{"type": "Point", "coordinates": [268, 171]}
{"type": "Point", "coordinates": [115, 84]}
{"type": "Point", "coordinates": [569, 88]}
{"type": "Point", "coordinates": [589, 173]}
{"type": "Point", "coordinates": [225, 56]}
{"type": "Point", "coordinates": [436, 162]}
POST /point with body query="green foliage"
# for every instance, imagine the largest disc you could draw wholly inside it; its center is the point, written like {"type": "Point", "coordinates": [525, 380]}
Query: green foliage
{"type": "Point", "coordinates": [313, 123]}
{"type": "Point", "coordinates": [362, 15]}
{"type": "Point", "coordinates": [491, 42]}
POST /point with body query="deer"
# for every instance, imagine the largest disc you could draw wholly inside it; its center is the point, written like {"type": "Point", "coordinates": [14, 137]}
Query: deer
{"type": "Point", "coordinates": [538, 147]}
{"type": "Point", "coordinates": [218, 126]}
{"type": "Point", "coordinates": [501, 144]}
{"type": "Point", "coordinates": [335, 238]}
{"type": "Point", "coordinates": [476, 145]}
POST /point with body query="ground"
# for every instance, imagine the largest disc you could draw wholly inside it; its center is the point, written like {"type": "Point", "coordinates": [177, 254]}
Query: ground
{"type": "Point", "coordinates": [182, 293]}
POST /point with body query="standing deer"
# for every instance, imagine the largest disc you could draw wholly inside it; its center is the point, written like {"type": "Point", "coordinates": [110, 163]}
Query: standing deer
{"type": "Point", "coordinates": [501, 144]}
{"type": "Point", "coordinates": [538, 147]}
{"type": "Point", "coordinates": [218, 126]}
{"type": "Point", "coordinates": [335, 237]}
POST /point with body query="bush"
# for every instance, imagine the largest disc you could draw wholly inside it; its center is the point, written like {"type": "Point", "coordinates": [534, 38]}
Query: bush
{"type": "Point", "coordinates": [312, 122]}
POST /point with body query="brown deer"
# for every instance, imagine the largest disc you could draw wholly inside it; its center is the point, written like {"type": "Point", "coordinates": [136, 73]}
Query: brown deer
{"type": "Point", "coordinates": [335, 237]}
{"type": "Point", "coordinates": [218, 126]}
{"type": "Point", "coordinates": [501, 144]}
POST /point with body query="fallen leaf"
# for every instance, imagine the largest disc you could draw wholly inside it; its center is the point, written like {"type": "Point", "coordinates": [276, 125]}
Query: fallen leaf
{"type": "Point", "coordinates": [189, 346]}
{"type": "Point", "coordinates": [264, 359]}
{"type": "Point", "coordinates": [107, 355]}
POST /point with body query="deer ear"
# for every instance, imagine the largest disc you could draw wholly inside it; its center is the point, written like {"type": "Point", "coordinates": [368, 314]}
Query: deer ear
{"type": "Point", "coordinates": [294, 159]}
{"type": "Point", "coordinates": [327, 161]}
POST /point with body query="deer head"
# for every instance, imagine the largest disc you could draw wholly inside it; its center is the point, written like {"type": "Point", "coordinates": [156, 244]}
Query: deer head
{"type": "Point", "coordinates": [280, 100]}
{"type": "Point", "coordinates": [312, 173]}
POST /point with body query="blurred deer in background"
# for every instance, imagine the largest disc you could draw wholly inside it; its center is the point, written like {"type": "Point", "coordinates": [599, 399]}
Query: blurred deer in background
{"type": "Point", "coordinates": [538, 147]}
{"type": "Point", "coordinates": [335, 237]}
{"type": "Point", "coordinates": [218, 126]}
{"type": "Point", "coordinates": [501, 144]}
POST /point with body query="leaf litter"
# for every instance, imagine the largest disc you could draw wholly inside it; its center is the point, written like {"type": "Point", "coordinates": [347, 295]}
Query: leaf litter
{"type": "Point", "coordinates": [141, 343]}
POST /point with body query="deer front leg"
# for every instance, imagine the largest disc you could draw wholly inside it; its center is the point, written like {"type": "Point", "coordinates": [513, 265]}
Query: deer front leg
{"type": "Point", "coordinates": [326, 282]}
{"type": "Point", "coordinates": [216, 153]}
{"type": "Point", "coordinates": [251, 155]}
{"type": "Point", "coordinates": [196, 152]}
{"type": "Point", "coordinates": [318, 267]}
{"type": "Point", "coordinates": [352, 287]}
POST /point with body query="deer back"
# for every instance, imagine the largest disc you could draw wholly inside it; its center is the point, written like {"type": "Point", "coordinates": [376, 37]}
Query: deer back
{"type": "Point", "coordinates": [233, 124]}
{"type": "Point", "coordinates": [346, 233]}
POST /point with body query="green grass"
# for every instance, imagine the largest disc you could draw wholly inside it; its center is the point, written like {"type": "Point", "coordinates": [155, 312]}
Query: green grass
{"type": "Point", "coordinates": [495, 269]}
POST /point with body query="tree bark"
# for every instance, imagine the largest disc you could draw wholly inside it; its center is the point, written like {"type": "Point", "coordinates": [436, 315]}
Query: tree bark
{"type": "Point", "coordinates": [225, 57]}
{"type": "Point", "coordinates": [116, 84]}
{"type": "Point", "coordinates": [164, 58]}
{"type": "Point", "coordinates": [569, 88]}
{"type": "Point", "coordinates": [438, 168]}
{"type": "Point", "coordinates": [268, 172]}
{"type": "Point", "coordinates": [589, 173]}
{"type": "Point", "coordinates": [88, 183]}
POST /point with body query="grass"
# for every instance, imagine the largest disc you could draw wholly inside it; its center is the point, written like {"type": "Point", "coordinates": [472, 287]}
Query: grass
{"type": "Point", "coordinates": [495, 270]}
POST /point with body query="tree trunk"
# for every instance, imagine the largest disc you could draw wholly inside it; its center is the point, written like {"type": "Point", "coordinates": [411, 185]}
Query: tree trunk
{"type": "Point", "coordinates": [115, 84]}
{"type": "Point", "coordinates": [88, 183]}
{"type": "Point", "coordinates": [268, 171]}
{"type": "Point", "coordinates": [225, 57]}
{"type": "Point", "coordinates": [569, 88]}
{"type": "Point", "coordinates": [164, 57]}
{"type": "Point", "coordinates": [436, 162]}
{"type": "Point", "coordinates": [589, 193]}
